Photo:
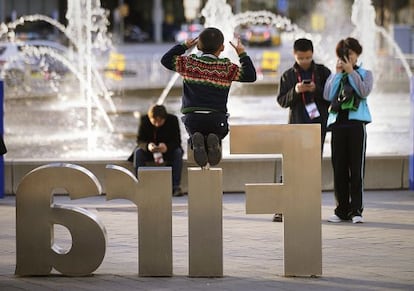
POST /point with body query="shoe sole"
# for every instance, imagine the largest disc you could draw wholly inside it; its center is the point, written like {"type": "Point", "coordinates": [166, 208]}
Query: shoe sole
{"type": "Point", "coordinates": [200, 155]}
{"type": "Point", "coordinates": [334, 221]}
{"type": "Point", "coordinates": [361, 220]}
{"type": "Point", "coordinates": [213, 149]}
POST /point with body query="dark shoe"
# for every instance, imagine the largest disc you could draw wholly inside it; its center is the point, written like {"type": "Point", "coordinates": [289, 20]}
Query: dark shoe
{"type": "Point", "coordinates": [199, 149]}
{"type": "Point", "coordinates": [177, 192]}
{"type": "Point", "coordinates": [278, 217]}
{"type": "Point", "coordinates": [213, 149]}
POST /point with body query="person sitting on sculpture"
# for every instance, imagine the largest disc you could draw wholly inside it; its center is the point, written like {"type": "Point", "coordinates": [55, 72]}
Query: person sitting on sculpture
{"type": "Point", "coordinates": [206, 84]}
{"type": "Point", "coordinates": [159, 143]}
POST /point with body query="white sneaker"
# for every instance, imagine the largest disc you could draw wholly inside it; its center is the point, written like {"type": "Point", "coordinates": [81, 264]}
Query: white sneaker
{"type": "Point", "coordinates": [334, 218]}
{"type": "Point", "coordinates": [357, 219]}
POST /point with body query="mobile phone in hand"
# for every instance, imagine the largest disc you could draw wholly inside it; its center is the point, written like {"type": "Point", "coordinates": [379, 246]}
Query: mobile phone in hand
{"type": "Point", "coordinates": [307, 81]}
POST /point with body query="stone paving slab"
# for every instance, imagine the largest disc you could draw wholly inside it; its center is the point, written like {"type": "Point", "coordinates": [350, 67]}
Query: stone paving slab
{"type": "Point", "coordinates": [376, 255]}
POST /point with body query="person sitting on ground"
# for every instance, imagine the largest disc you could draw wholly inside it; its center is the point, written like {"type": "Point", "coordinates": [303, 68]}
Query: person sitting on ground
{"type": "Point", "coordinates": [206, 84]}
{"type": "Point", "coordinates": [159, 142]}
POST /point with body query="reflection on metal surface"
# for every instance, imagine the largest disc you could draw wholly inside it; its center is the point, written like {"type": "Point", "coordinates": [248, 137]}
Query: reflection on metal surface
{"type": "Point", "coordinates": [151, 193]}
{"type": "Point", "coordinates": [205, 222]}
{"type": "Point", "coordinates": [36, 216]}
{"type": "Point", "coordinates": [298, 198]}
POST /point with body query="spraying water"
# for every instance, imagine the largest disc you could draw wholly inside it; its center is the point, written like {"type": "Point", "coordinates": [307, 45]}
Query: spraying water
{"type": "Point", "coordinates": [363, 17]}
{"type": "Point", "coordinates": [87, 33]}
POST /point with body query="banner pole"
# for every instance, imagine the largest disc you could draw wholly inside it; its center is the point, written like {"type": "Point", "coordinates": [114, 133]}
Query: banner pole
{"type": "Point", "coordinates": [1, 134]}
{"type": "Point", "coordinates": [411, 157]}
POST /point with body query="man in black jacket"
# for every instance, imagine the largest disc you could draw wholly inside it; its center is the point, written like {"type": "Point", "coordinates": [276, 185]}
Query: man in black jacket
{"type": "Point", "coordinates": [159, 142]}
{"type": "Point", "coordinates": [301, 90]}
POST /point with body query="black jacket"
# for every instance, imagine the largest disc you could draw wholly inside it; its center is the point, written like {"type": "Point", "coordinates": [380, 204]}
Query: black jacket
{"type": "Point", "coordinates": [288, 98]}
{"type": "Point", "coordinates": [169, 133]}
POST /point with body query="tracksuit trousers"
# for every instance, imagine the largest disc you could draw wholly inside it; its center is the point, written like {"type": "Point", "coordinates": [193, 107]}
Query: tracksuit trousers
{"type": "Point", "coordinates": [348, 147]}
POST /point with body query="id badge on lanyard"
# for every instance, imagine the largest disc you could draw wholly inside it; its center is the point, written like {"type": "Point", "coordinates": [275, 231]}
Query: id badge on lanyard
{"type": "Point", "coordinates": [311, 108]}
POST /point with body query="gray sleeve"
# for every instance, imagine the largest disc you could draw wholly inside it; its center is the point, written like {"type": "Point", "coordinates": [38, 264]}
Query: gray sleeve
{"type": "Point", "coordinates": [364, 86]}
{"type": "Point", "coordinates": [328, 87]}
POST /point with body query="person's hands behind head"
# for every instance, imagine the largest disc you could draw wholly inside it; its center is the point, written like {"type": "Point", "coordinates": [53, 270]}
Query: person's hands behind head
{"type": "Point", "coordinates": [189, 43]}
{"type": "Point", "coordinates": [238, 47]}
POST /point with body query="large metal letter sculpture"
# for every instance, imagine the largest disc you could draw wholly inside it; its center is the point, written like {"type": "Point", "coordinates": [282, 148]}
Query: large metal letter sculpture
{"type": "Point", "coordinates": [152, 196]}
{"type": "Point", "coordinates": [35, 217]}
{"type": "Point", "coordinates": [205, 222]}
{"type": "Point", "coordinates": [298, 198]}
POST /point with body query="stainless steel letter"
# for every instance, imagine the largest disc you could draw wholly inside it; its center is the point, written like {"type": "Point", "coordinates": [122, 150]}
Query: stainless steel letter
{"type": "Point", "coordinates": [205, 222]}
{"type": "Point", "coordinates": [298, 198]}
{"type": "Point", "coordinates": [152, 196]}
{"type": "Point", "coordinates": [36, 215]}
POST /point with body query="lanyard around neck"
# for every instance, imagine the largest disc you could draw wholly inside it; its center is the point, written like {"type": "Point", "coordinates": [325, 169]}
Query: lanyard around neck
{"type": "Point", "coordinates": [300, 80]}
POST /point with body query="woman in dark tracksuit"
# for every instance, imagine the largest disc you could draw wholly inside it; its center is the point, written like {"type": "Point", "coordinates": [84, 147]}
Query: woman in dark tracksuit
{"type": "Point", "coordinates": [348, 123]}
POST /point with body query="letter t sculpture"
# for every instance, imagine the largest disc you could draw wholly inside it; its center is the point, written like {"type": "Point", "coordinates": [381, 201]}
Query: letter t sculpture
{"type": "Point", "coordinates": [298, 197]}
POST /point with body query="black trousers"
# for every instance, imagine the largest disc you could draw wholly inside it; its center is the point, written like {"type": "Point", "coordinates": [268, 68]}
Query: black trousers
{"type": "Point", "coordinates": [205, 123]}
{"type": "Point", "coordinates": [3, 148]}
{"type": "Point", "coordinates": [348, 147]}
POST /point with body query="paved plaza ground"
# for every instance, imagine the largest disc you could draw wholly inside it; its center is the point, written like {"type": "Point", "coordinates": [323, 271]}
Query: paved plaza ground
{"type": "Point", "coordinates": [375, 255]}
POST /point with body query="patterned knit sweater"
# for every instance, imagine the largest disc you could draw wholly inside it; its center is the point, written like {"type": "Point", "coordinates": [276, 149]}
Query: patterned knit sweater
{"type": "Point", "coordinates": [207, 78]}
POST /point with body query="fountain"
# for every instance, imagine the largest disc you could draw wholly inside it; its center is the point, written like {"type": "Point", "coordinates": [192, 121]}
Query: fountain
{"type": "Point", "coordinates": [86, 33]}
{"type": "Point", "coordinates": [363, 17]}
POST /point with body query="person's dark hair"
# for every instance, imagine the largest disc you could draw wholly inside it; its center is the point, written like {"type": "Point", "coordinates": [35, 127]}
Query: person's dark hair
{"type": "Point", "coordinates": [303, 45]}
{"type": "Point", "coordinates": [349, 43]}
{"type": "Point", "coordinates": [157, 111]}
{"type": "Point", "coordinates": [210, 40]}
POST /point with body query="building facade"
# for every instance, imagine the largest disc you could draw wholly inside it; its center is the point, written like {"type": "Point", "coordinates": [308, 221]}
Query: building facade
{"type": "Point", "coordinates": [162, 18]}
